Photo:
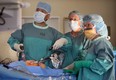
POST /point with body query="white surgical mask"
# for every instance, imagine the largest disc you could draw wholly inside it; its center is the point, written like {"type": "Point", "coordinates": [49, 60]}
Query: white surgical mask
{"type": "Point", "coordinates": [74, 25]}
{"type": "Point", "coordinates": [39, 17]}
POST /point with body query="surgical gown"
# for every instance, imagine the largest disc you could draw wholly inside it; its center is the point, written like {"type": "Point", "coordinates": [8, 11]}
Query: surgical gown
{"type": "Point", "coordinates": [78, 43]}
{"type": "Point", "coordinates": [36, 41]}
{"type": "Point", "coordinates": [100, 52]}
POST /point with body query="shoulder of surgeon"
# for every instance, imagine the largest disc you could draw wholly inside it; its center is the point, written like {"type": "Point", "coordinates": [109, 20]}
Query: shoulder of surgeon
{"type": "Point", "coordinates": [27, 25]}
{"type": "Point", "coordinates": [53, 29]}
{"type": "Point", "coordinates": [103, 41]}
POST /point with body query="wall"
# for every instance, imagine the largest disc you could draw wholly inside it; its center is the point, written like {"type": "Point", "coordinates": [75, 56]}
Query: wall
{"type": "Point", "coordinates": [13, 21]}
{"type": "Point", "coordinates": [5, 50]}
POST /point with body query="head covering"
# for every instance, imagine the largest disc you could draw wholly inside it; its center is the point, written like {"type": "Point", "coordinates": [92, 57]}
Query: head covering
{"type": "Point", "coordinates": [44, 6]}
{"type": "Point", "coordinates": [77, 13]}
{"type": "Point", "coordinates": [98, 22]}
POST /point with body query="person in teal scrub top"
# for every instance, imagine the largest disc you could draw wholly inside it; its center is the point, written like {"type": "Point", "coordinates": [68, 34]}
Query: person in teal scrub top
{"type": "Point", "coordinates": [37, 37]}
{"type": "Point", "coordinates": [77, 37]}
{"type": "Point", "coordinates": [98, 60]}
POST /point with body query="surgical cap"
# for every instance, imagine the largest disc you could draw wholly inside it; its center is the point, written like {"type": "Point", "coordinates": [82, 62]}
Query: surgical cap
{"type": "Point", "coordinates": [98, 22]}
{"type": "Point", "coordinates": [77, 13]}
{"type": "Point", "coordinates": [44, 6]}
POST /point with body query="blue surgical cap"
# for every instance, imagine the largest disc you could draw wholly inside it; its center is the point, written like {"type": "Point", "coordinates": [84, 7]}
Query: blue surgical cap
{"type": "Point", "coordinates": [98, 22]}
{"type": "Point", "coordinates": [44, 6]}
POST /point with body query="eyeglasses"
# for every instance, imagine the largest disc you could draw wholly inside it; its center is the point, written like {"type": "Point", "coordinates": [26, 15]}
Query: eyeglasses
{"type": "Point", "coordinates": [88, 28]}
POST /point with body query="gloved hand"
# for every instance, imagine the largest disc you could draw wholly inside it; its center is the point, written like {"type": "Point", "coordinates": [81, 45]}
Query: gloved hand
{"type": "Point", "coordinates": [68, 71]}
{"type": "Point", "coordinates": [17, 47]}
{"type": "Point", "coordinates": [80, 64]}
{"type": "Point", "coordinates": [59, 43]}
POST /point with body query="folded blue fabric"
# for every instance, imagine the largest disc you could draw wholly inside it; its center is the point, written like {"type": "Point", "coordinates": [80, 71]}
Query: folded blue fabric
{"type": "Point", "coordinates": [36, 70]}
{"type": "Point", "coordinates": [19, 71]}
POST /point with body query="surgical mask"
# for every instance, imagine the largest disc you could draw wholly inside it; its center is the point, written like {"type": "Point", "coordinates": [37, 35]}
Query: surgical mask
{"type": "Point", "coordinates": [39, 17]}
{"type": "Point", "coordinates": [74, 25]}
{"type": "Point", "coordinates": [90, 34]}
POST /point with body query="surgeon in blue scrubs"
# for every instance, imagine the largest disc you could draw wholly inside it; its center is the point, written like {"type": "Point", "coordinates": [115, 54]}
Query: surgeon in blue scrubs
{"type": "Point", "coordinates": [77, 37]}
{"type": "Point", "coordinates": [38, 37]}
{"type": "Point", "coordinates": [97, 59]}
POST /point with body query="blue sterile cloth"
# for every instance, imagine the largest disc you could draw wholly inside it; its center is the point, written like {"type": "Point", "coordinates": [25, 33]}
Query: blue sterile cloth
{"type": "Point", "coordinates": [36, 70]}
{"type": "Point", "coordinates": [24, 72]}
{"type": "Point", "coordinates": [45, 72]}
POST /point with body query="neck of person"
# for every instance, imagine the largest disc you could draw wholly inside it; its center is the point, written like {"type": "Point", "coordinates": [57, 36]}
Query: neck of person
{"type": "Point", "coordinates": [96, 36]}
{"type": "Point", "coordinates": [42, 24]}
{"type": "Point", "coordinates": [75, 33]}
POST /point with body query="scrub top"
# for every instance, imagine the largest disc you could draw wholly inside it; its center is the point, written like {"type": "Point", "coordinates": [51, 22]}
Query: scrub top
{"type": "Point", "coordinates": [100, 52]}
{"type": "Point", "coordinates": [36, 41]}
{"type": "Point", "coordinates": [78, 43]}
